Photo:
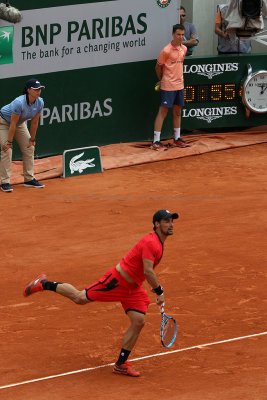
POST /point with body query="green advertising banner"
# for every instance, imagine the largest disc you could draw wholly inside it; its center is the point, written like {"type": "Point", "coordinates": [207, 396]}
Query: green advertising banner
{"type": "Point", "coordinates": [118, 103]}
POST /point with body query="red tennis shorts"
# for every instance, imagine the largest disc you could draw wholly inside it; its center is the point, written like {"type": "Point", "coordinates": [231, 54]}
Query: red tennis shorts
{"type": "Point", "coordinates": [113, 287]}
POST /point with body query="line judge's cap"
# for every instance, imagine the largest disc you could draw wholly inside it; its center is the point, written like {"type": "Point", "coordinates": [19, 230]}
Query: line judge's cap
{"type": "Point", "coordinates": [34, 84]}
{"type": "Point", "coordinates": [163, 214]}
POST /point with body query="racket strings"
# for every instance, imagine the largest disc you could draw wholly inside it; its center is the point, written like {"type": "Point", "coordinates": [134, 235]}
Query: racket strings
{"type": "Point", "coordinates": [169, 332]}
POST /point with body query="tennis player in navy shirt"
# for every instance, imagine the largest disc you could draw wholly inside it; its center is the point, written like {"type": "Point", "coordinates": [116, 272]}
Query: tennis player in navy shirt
{"type": "Point", "coordinates": [13, 119]}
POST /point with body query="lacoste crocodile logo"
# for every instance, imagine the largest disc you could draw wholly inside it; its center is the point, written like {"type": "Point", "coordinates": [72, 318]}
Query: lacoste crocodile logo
{"type": "Point", "coordinates": [80, 165]}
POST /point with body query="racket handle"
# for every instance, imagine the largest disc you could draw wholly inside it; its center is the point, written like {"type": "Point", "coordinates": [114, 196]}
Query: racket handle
{"type": "Point", "coordinates": [161, 307]}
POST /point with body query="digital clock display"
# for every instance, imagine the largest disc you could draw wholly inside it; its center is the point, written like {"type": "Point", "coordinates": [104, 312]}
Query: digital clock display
{"type": "Point", "coordinates": [210, 93]}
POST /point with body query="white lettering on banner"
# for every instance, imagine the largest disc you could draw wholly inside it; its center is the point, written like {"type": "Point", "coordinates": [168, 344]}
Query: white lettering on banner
{"type": "Point", "coordinates": [77, 111]}
{"type": "Point", "coordinates": [88, 35]}
{"type": "Point", "coordinates": [209, 114]}
{"type": "Point", "coordinates": [210, 70]}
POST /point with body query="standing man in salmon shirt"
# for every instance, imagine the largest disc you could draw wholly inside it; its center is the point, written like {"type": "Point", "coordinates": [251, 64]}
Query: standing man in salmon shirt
{"type": "Point", "coordinates": [169, 70]}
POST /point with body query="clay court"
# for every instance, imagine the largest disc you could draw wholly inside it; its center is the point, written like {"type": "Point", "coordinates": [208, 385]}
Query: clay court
{"type": "Point", "coordinates": [213, 272]}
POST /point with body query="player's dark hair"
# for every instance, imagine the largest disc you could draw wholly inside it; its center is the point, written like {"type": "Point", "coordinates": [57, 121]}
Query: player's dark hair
{"type": "Point", "coordinates": [182, 8]}
{"type": "Point", "coordinates": [176, 27]}
{"type": "Point", "coordinates": [25, 91]}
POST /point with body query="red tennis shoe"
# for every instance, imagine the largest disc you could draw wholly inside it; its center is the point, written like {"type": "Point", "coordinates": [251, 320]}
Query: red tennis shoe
{"type": "Point", "coordinates": [179, 143]}
{"type": "Point", "coordinates": [34, 286]}
{"type": "Point", "coordinates": [158, 146]}
{"type": "Point", "coordinates": [125, 369]}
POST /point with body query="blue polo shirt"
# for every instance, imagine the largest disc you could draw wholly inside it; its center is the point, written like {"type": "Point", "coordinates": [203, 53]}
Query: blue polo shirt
{"type": "Point", "coordinates": [190, 30]}
{"type": "Point", "coordinates": [20, 107]}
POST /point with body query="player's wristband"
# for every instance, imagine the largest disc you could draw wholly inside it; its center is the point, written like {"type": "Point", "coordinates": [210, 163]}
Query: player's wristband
{"type": "Point", "coordinates": [158, 290]}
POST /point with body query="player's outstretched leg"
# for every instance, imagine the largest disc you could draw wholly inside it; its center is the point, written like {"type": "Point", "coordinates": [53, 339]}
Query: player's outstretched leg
{"type": "Point", "coordinates": [40, 283]}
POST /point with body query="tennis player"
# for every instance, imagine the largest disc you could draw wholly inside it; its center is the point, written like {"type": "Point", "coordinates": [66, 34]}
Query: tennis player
{"type": "Point", "coordinates": [123, 284]}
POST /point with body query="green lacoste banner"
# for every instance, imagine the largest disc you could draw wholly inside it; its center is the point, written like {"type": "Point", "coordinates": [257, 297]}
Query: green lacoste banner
{"type": "Point", "coordinates": [82, 161]}
{"type": "Point", "coordinates": [6, 44]}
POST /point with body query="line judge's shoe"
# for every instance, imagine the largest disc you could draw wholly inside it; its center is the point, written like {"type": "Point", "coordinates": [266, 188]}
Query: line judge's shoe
{"type": "Point", "coordinates": [125, 369]}
{"type": "Point", "coordinates": [6, 187]}
{"type": "Point", "coordinates": [179, 143]}
{"type": "Point", "coordinates": [158, 146]}
{"type": "Point", "coordinates": [35, 285]}
{"type": "Point", "coordinates": [34, 183]}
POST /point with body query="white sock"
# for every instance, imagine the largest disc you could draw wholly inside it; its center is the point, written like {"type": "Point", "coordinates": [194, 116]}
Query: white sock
{"type": "Point", "coordinates": [177, 133]}
{"type": "Point", "coordinates": [156, 136]}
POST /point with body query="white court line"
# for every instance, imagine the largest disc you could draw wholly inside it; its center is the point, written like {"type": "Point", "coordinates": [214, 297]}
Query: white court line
{"type": "Point", "coordinates": [15, 305]}
{"type": "Point", "coordinates": [134, 359]}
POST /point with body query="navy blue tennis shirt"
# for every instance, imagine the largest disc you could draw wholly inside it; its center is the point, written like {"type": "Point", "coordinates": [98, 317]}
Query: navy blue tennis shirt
{"type": "Point", "coordinates": [20, 107]}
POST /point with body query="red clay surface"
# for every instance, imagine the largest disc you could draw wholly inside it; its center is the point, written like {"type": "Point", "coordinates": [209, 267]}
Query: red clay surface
{"type": "Point", "coordinates": [213, 271]}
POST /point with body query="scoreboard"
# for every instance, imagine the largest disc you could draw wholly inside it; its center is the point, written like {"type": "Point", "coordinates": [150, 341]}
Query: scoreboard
{"type": "Point", "coordinates": [210, 92]}
{"type": "Point", "coordinates": [213, 90]}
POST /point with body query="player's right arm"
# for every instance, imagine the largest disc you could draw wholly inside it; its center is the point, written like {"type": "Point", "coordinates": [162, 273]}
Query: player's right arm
{"type": "Point", "coordinates": [11, 131]}
{"type": "Point", "coordinates": [160, 63]}
{"type": "Point", "coordinates": [153, 280]}
{"type": "Point", "coordinates": [159, 71]}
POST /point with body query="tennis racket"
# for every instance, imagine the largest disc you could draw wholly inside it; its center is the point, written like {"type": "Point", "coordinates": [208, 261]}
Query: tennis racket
{"type": "Point", "coordinates": [168, 330]}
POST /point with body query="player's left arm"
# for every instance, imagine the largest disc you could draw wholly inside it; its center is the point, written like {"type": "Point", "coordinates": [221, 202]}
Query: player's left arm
{"type": "Point", "coordinates": [153, 280]}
